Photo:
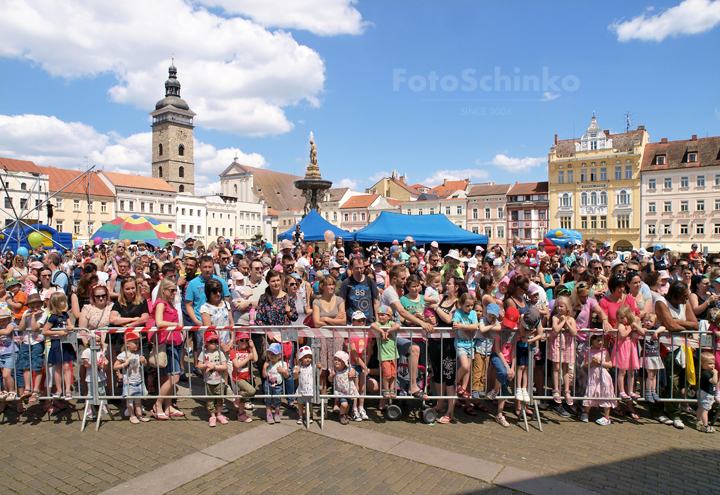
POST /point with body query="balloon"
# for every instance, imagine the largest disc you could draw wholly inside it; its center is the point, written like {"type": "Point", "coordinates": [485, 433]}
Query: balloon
{"type": "Point", "coordinates": [559, 233]}
{"type": "Point", "coordinates": [78, 244]}
{"type": "Point", "coordinates": [22, 251]}
{"type": "Point", "coordinates": [35, 239]}
{"type": "Point", "coordinates": [329, 236]}
{"type": "Point", "coordinates": [97, 241]}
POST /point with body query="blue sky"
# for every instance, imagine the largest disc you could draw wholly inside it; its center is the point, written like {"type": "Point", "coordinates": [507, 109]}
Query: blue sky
{"type": "Point", "coordinates": [271, 74]}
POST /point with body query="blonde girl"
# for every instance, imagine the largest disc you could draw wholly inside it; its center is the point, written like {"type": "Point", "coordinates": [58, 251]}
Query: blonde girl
{"type": "Point", "coordinates": [561, 346]}
{"type": "Point", "coordinates": [62, 353]}
{"type": "Point", "coordinates": [625, 355]}
{"type": "Point", "coordinates": [130, 362]}
{"type": "Point", "coordinates": [164, 314]}
{"type": "Point", "coordinates": [599, 380]}
{"type": "Point", "coordinates": [652, 362]}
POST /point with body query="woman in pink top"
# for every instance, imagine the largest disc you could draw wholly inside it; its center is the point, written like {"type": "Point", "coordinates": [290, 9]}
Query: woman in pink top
{"type": "Point", "coordinates": [617, 297]}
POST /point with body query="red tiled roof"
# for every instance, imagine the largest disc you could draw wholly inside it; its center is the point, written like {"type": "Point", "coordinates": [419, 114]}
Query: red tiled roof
{"type": "Point", "coordinates": [418, 186]}
{"type": "Point", "coordinates": [676, 154]}
{"type": "Point", "coordinates": [277, 189]}
{"type": "Point", "coordinates": [59, 177]}
{"type": "Point", "coordinates": [14, 165]}
{"type": "Point", "coordinates": [361, 201]}
{"type": "Point", "coordinates": [138, 182]}
{"type": "Point", "coordinates": [449, 188]}
{"type": "Point", "coordinates": [528, 188]}
{"type": "Point", "coordinates": [393, 202]}
{"type": "Point", "coordinates": [489, 190]}
{"type": "Point", "coordinates": [410, 189]}
{"type": "Point", "coordinates": [619, 141]}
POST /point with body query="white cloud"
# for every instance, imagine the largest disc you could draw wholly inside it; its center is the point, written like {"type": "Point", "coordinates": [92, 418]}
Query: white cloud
{"type": "Point", "coordinates": [548, 96]}
{"type": "Point", "coordinates": [50, 141]}
{"type": "Point", "coordinates": [689, 17]}
{"type": "Point", "coordinates": [439, 176]}
{"type": "Point", "coordinates": [514, 165]}
{"type": "Point", "coordinates": [322, 17]}
{"type": "Point", "coordinates": [236, 75]}
{"type": "Point", "coordinates": [349, 183]}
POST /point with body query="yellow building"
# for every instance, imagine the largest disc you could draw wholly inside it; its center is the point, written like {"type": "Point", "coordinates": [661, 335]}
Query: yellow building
{"type": "Point", "coordinates": [594, 185]}
{"type": "Point", "coordinates": [394, 187]}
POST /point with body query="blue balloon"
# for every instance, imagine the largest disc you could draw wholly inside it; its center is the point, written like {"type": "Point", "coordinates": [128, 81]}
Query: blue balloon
{"type": "Point", "coordinates": [22, 251]}
{"type": "Point", "coordinates": [78, 244]}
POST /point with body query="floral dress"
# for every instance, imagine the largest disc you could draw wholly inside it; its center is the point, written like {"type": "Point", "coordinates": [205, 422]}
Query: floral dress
{"type": "Point", "coordinates": [271, 311]}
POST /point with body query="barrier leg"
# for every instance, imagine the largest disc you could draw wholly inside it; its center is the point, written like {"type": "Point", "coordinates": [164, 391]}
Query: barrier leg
{"type": "Point", "coordinates": [88, 405]}
{"type": "Point", "coordinates": [103, 403]}
{"type": "Point", "coordinates": [322, 413]}
{"type": "Point", "coordinates": [527, 428]}
{"type": "Point", "coordinates": [308, 409]}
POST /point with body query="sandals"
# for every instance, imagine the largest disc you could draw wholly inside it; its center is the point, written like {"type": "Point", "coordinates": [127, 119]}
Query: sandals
{"type": "Point", "coordinates": [34, 397]}
{"type": "Point", "coordinates": [3, 395]}
{"type": "Point", "coordinates": [244, 418]}
{"type": "Point", "coordinates": [445, 420]}
{"type": "Point", "coordinates": [664, 420]}
{"type": "Point", "coordinates": [386, 394]}
{"type": "Point", "coordinates": [462, 393]}
{"type": "Point", "coordinates": [568, 398]}
{"type": "Point", "coordinates": [11, 396]}
{"type": "Point", "coordinates": [470, 411]}
{"type": "Point", "coordinates": [419, 394]}
{"type": "Point", "coordinates": [481, 407]}
{"type": "Point", "coordinates": [624, 396]}
{"type": "Point", "coordinates": [556, 396]}
{"type": "Point", "coordinates": [160, 416]}
{"type": "Point", "coordinates": [174, 413]}
{"type": "Point", "coordinates": [634, 416]}
{"type": "Point", "coordinates": [27, 393]}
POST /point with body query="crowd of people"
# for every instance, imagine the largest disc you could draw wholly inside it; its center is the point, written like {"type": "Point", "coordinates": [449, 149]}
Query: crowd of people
{"type": "Point", "coordinates": [571, 331]}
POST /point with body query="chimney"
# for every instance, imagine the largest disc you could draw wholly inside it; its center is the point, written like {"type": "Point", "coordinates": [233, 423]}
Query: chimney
{"type": "Point", "coordinates": [641, 128]}
{"type": "Point", "coordinates": [555, 138]}
{"type": "Point", "coordinates": [663, 140]}
{"type": "Point", "coordinates": [607, 132]}
{"type": "Point", "coordinates": [694, 137]}
{"type": "Point", "coordinates": [444, 182]}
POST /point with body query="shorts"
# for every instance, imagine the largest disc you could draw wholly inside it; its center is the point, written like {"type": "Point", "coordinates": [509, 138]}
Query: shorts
{"type": "Point", "coordinates": [388, 369]}
{"type": "Point", "coordinates": [443, 361]}
{"type": "Point", "coordinates": [273, 390]}
{"type": "Point", "coordinates": [304, 400]}
{"type": "Point", "coordinates": [61, 353]}
{"type": "Point", "coordinates": [705, 400]}
{"type": "Point", "coordinates": [465, 351]}
{"type": "Point", "coordinates": [359, 371]}
{"type": "Point", "coordinates": [7, 361]}
{"type": "Point", "coordinates": [174, 359]}
{"type": "Point", "coordinates": [522, 354]}
{"type": "Point", "coordinates": [134, 390]}
{"type": "Point", "coordinates": [342, 400]}
{"type": "Point", "coordinates": [31, 357]}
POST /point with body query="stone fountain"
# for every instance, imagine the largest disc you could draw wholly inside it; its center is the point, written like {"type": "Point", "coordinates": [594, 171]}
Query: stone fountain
{"type": "Point", "coordinates": [313, 186]}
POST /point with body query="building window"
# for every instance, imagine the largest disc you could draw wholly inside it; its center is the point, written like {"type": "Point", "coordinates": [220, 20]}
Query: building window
{"type": "Point", "coordinates": [91, 206]}
{"type": "Point", "coordinates": [419, 211]}
{"type": "Point", "coordinates": [459, 210]}
{"type": "Point", "coordinates": [182, 229]}
{"type": "Point", "coordinates": [528, 234]}
{"type": "Point", "coordinates": [717, 179]}
{"type": "Point", "coordinates": [181, 171]}
{"type": "Point", "coordinates": [603, 174]}
{"type": "Point", "coordinates": [209, 231]}
{"type": "Point", "coordinates": [131, 205]}
{"type": "Point", "coordinates": [160, 154]}
{"type": "Point", "coordinates": [700, 181]}
{"type": "Point", "coordinates": [593, 175]}
{"type": "Point", "coordinates": [151, 207]}
{"type": "Point", "coordinates": [90, 228]}
{"type": "Point", "coordinates": [717, 228]}
{"type": "Point", "coordinates": [23, 202]}
{"type": "Point", "coordinates": [501, 232]}
{"type": "Point", "coordinates": [652, 184]}
{"type": "Point", "coordinates": [603, 222]}
{"type": "Point", "coordinates": [515, 233]}
{"type": "Point", "coordinates": [593, 222]}
{"type": "Point", "coordinates": [362, 216]}
{"type": "Point", "coordinates": [667, 229]}
{"type": "Point", "coordinates": [76, 205]}
{"type": "Point", "coordinates": [683, 229]}
{"type": "Point", "coordinates": [623, 198]}
{"type": "Point", "coordinates": [181, 188]}
{"type": "Point", "coordinates": [717, 204]}
{"type": "Point", "coordinates": [162, 209]}
{"type": "Point", "coordinates": [58, 204]}
{"type": "Point", "coordinates": [122, 205]}
{"type": "Point", "coordinates": [475, 230]}
{"type": "Point", "coordinates": [570, 176]}
{"type": "Point", "coordinates": [561, 177]}
{"type": "Point", "coordinates": [583, 199]}
{"type": "Point", "coordinates": [181, 152]}
{"type": "Point", "coordinates": [667, 206]}
{"type": "Point", "coordinates": [565, 222]}
{"type": "Point", "coordinates": [668, 183]}
{"type": "Point", "coordinates": [8, 202]}
{"type": "Point", "coordinates": [103, 207]}
{"type": "Point", "coordinates": [475, 213]}
{"type": "Point", "coordinates": [528, 215]}
{"type": "Point", "coordinates": [76, 227]}
{"type": "Point", "coordinates": [501, 213]}
{"type": "Point", "coordinates": [142, 206]}
{"type": "Point", "coordinates": [661, 160]}
{"type": "Point", "coordinates": [684, 206]}
{"type": "Point", "coordinates": [684, 182]}
{"type": "Point", "coordinates": [618, 173]}
{"type": "Point", "coordinates": [346, 217]}
{"type": "Point", "coordinates": [583, 222]}
{"type": "Point", "coordinates": [447, 211]}
{"type": "Point", "coordinates": [488, 232]}
{"type": "Point", "coordinates": [432, 211]}
{"type": "Point", "coordinates": [692, 157]}
{"type": "Point", "coordinates": [623, 221]}
{"type": "Point", "coordinates": [230, 231]}
{"type": "Point", "coordinates": [565, 200]}
{"type": "Point", "coordinates": [628, 172]}
{"type": "Point", "coordinates": [541, 214]}
{"type": "Point", "coordinates": [59, 225]}
{"type": "Point", "coordinates": [335, 216]}
{"type": "Point", "coordinates": [700, 205]}
{"type": "Point", "coordinates": [699, 228]}
{"type": "Point", "coordinates": [651, 207]}
{"type": "Point", "coordinates": [487, 214]}
{"type": "Point", "coordinates": [651, 229]}
{"type": "Point", "coordinates": [160, 169]}
{"type": "Point", "coordinates": [583, 176]}
{"type": "Point", "coordinates": [191, 212]}
{"type": "Point", "coordinates": [514, 216]}
{"type": "Point", "coordinates": [192, 229]}
{"type": "Point", "coordinates": [182, 212]}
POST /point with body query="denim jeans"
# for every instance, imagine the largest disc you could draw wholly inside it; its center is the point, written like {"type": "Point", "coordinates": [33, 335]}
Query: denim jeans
{"type": "Point", "coordinates": [273, 390]}
{"type": "Point", "coordinates": [501, 373]}
{"type": "Point", "coordinates": [290, 381]}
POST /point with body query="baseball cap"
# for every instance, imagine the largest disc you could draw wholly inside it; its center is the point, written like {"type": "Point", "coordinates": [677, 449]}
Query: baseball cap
{"type": "Point", "coordinates": [275, 348]}
{"type": "Point", "coordinates": [532, 262]}
{"type": "Point", "coordinates": [210, 336]}
{"type": "Point", "coordinates": [659, 247]}
{"type": "Point", "coordinates": [343, 356]}
{"type": "Point", "coordinates": [531, 318]}
{"type": "Point", "coordinates": [434, 244]}
{"type": "Point", "coordinates": [569, 244]}
{"type": "Point", "coordinates": [358, 315]}
{"type": "Point", "coordinates": [384, 309]}
{"type": "Point", "coordinates": [239, 251]}
{"type": "Point", "coordinates": [664, 274]}
{"type": "Point", "coordinates": [694, 245]}
{"type": "Point", "coordinates": [132, 336]}
{"type": "Point", "coordinates": [541, 244]}
{"type": "Point", "coordinates": [493, 309]}
{"type": "Point", "coordinates": [377, 261]}
{"type": "Point", "coordinates": [606, 244]}
{"type": "Point", "coordinates": [395, 242]}
{"type": "Point", "coordinates": [189, 237]}
{"type": "Point", "coordinates": [242, 335]}
{"type": "Point", "coordinates": [479, 248]}
{"type": "Point", "coordinates": [512, 316]}
{"type": "Point", "coordinates": [335, 264]}
{"type": "Point", "coordinates": [304, 351]}
{"type": "Point", "coordinates": [453, 253]}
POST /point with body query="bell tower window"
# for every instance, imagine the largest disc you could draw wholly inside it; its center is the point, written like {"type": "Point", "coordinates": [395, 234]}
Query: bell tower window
{"type": "Point", "coordinates": [181, 188]}
{"type": "Point", "coordinates": [181, 150]}
{"type": "Point", "coordinates": [160, 149]}
{"type": "Point", "coordinates": [181, 172]}
{"type": "Point", "coordinates": [160, 170]}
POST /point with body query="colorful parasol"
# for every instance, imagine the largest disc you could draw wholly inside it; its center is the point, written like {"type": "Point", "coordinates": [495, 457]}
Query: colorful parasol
{"type": "Point", "coordinates": [136, 228]}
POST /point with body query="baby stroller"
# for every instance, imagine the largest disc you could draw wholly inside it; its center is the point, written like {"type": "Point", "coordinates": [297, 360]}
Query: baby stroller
{"type": "Point", "coordinates": [402, 383]}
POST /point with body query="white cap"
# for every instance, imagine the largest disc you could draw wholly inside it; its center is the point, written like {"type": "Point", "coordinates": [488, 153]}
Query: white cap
{"type": "Point", "coordinates": [434, 244]}
{"type": "Point", "coordinates": [304, 351]}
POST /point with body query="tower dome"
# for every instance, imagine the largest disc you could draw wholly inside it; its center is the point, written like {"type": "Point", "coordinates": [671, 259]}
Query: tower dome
{"type": "Point", "coordinates": [172, 92]}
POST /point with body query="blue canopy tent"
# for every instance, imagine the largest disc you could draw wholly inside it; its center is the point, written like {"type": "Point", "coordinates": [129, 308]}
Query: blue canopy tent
{"type": "Point", "coordinates": [314, 227]}
{"type": "Point", "coordinates": [423, 229]}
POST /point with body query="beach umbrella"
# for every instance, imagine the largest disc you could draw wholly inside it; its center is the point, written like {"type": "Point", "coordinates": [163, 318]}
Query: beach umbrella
{"type": "Point", "coordinates": [136, 228]}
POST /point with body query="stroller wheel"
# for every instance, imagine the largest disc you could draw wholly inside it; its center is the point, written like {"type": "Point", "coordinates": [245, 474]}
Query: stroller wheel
{"type": "Point", "coordinates": [429, 415]}
{"type": "Point", "coordinates": [393, 412]}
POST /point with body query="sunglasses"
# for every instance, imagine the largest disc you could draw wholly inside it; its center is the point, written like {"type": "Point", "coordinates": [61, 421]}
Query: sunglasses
{"type": "Point", "coordinates": [606, 266]}
{"type": "Point", "coordinates": [100, 296]}
{"type": "Point", "coordinates": [171, 290]}
{"type": "Point", "coordinates": [217, 291]}
{"type": "Point", "coordinates": [226, 258]}
{"type": "Point", "coordinates": [211, 342]}
{"type": "Point", "coordinates": [243, 340]}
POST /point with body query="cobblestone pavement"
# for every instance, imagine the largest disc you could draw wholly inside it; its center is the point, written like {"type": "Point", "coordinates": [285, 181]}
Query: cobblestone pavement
{"type": "Point", "coordinates": [44, 454]}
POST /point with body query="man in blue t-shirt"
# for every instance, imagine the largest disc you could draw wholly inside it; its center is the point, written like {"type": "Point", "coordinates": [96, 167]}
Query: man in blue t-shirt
{"type": "Point", "coordinates": [359, 292]}
{"type": "Point", "coordinates": [195, 293]}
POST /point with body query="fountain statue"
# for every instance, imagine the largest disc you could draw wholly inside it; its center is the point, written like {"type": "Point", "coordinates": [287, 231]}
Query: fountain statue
{"type": "Point", "coordinates": [313, 186]}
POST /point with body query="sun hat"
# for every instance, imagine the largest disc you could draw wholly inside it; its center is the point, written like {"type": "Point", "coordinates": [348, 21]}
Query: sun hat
{"type": "Point", "coordinates": [493, 309]}
{"type": "Point", "coordinates": [409, 239]}
{"type": "Point", "coordinates": [178, 244]}
{"type": "Point", "coordinates": [512, 316]}
{"type": "Point", "coordinates": [358, 315]}
{"type": "Point", "coordinates": [659, 247]}
{"type": "Point", "coordinates": [188, 237]}
{"type": "Point", "coordinates": [10, 282]}
{"type": "Point", "coordinates": [242, 335]}
{"type": "Point", "coordinates": [615, 262]}
{"type": "Point", "coordinates": [210, 336]}
{"type": "Point", "coordinates": [335, 264]}
{"type": "Point", "coordinates": [497, 262]}
{"type": "Point", "coordinates": [5, 313]}
{"type": "Point", "coordinates": [472, 263]}
{"type": "Point", "coordinates": [36, 264]}
{"type": "Point", "coordinates": [453, 253]}
{"type": "Point", "coordinates": [275, 349]}
{"type": "Point", "coordinates": [343, 356]}
{"type": "Point", "coordinates": [285, 244]}
{"type": "Point", "coordinates": [434, 244]}
{"type": "Point", "coordinates": [386, 310]}
{"type": "Point", "coordinates": [33, 298]}
{"type": "Point", "coordinates": [304, 351]}
{"type": "Point", "coordinates": [664, 274]}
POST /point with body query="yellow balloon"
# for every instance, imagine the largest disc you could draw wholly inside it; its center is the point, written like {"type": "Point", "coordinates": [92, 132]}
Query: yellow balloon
{"type": "Point", "coordinates": [34, 239]}
{"type": "Point", "coordinates": [558, 233]}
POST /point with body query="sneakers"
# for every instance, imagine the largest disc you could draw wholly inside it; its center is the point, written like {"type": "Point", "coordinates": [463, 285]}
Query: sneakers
{"type": "Point", "coordinates": [649, 397]}
{"type": "Point", "coordinates": [502, 421]}
{"type": "Point", "coordinates": [363, 413]}
{"type": "Point", "coordinates": [518, 395]}
{"type": "Point", "coordinates": [270, 419]}
{"type": "Point", "coordinates": [104, 409]}
{"type": "Point", "coordinates": [91, 415]}
{"type": "Point", "coordinates": [492, 394]}
{"type": "Point", "coordinates": [705, 429]}
{"type": "Point", "coordinates": [559, 409]}
{"type": "Point", "coordinates": [603, 421]}
{"type": "Point", "coordinates": [664, 419]}
{"type": "Point", "coordinates": [356, 415]}
{"type": "Point", "coordinates": [276, 416]}
{"type": "Point", "coordinates": [677, 423]}
{"type": "Point", "coordinates": [584, 418]}
{"type": "Point", "coordinates": [344, 419]}
{"type": "Point", "coordinates": [212, 421]}
{"type": "Point", "coordinates": [525, 395]}
{"type": "Point", "coordinates": [222, 419]}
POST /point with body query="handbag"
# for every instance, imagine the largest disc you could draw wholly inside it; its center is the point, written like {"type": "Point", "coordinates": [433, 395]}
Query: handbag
{"type": "Point", "coordinates": [158, 356]}
{"type": "Point", "coordinates": [309, 322]}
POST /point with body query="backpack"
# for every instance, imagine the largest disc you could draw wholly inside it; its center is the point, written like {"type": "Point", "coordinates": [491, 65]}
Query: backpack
{"type": "Point", "coordinates": [68, 287]}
